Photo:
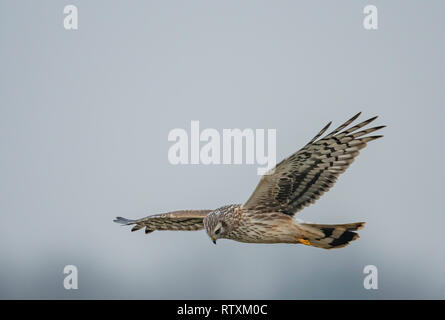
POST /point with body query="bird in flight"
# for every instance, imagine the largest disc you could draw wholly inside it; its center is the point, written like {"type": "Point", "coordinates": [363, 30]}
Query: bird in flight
{"type": "Point", "coordinates": [295, 183]}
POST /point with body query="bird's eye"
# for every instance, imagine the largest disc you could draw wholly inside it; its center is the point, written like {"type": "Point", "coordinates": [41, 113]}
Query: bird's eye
{"type": "Point", "coordinates": [217, 231]}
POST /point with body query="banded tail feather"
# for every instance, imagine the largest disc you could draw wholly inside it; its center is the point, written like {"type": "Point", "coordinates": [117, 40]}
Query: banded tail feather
{"type": "Point", "coordinates": [331, 236]}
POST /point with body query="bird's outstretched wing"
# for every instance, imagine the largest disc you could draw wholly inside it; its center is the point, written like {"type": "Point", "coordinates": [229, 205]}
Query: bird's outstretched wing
{"type": "Point", "coordinates": [184, 220]}
{"type": "Point", "coordinates": [302, 178]}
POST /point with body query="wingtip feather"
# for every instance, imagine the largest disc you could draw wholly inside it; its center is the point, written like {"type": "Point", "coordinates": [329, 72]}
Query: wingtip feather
{"type": "Point", "coordinates": [123, 221]}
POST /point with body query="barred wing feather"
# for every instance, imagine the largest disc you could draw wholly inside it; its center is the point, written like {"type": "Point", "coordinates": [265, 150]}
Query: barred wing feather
{"type": "Point", "coordinates": [302, 178]}
{"type": "Point", "coordinates": [183, 220]}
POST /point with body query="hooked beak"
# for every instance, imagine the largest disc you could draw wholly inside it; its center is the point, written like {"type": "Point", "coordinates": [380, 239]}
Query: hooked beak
{"type": "Point", "coordinates": [213, 240]}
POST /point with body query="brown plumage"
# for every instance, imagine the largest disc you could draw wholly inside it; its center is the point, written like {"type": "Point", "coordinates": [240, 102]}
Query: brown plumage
{"type": "Point", "coordinates": [294, 183]}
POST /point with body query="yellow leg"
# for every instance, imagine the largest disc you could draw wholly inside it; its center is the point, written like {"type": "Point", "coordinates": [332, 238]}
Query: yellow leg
{"type": "Point", "coordinates": [304, 241]}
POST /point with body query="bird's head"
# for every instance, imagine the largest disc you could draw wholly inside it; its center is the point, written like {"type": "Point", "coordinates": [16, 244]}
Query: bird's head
{"type": "Point", "coordinates": [215, 226]}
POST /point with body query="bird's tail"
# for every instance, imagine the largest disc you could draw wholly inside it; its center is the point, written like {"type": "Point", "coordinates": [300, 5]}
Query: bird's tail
{"type": "Point", "coordinates": [329, 236]}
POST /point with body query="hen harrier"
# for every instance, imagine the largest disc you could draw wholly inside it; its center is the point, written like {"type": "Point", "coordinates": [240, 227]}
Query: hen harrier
{"type": "Point", "coordinates": [295, 183]}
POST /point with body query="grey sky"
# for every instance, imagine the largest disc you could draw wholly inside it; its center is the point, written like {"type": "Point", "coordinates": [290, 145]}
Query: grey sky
{"type": "Point", "coordinates": [84, 119]}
